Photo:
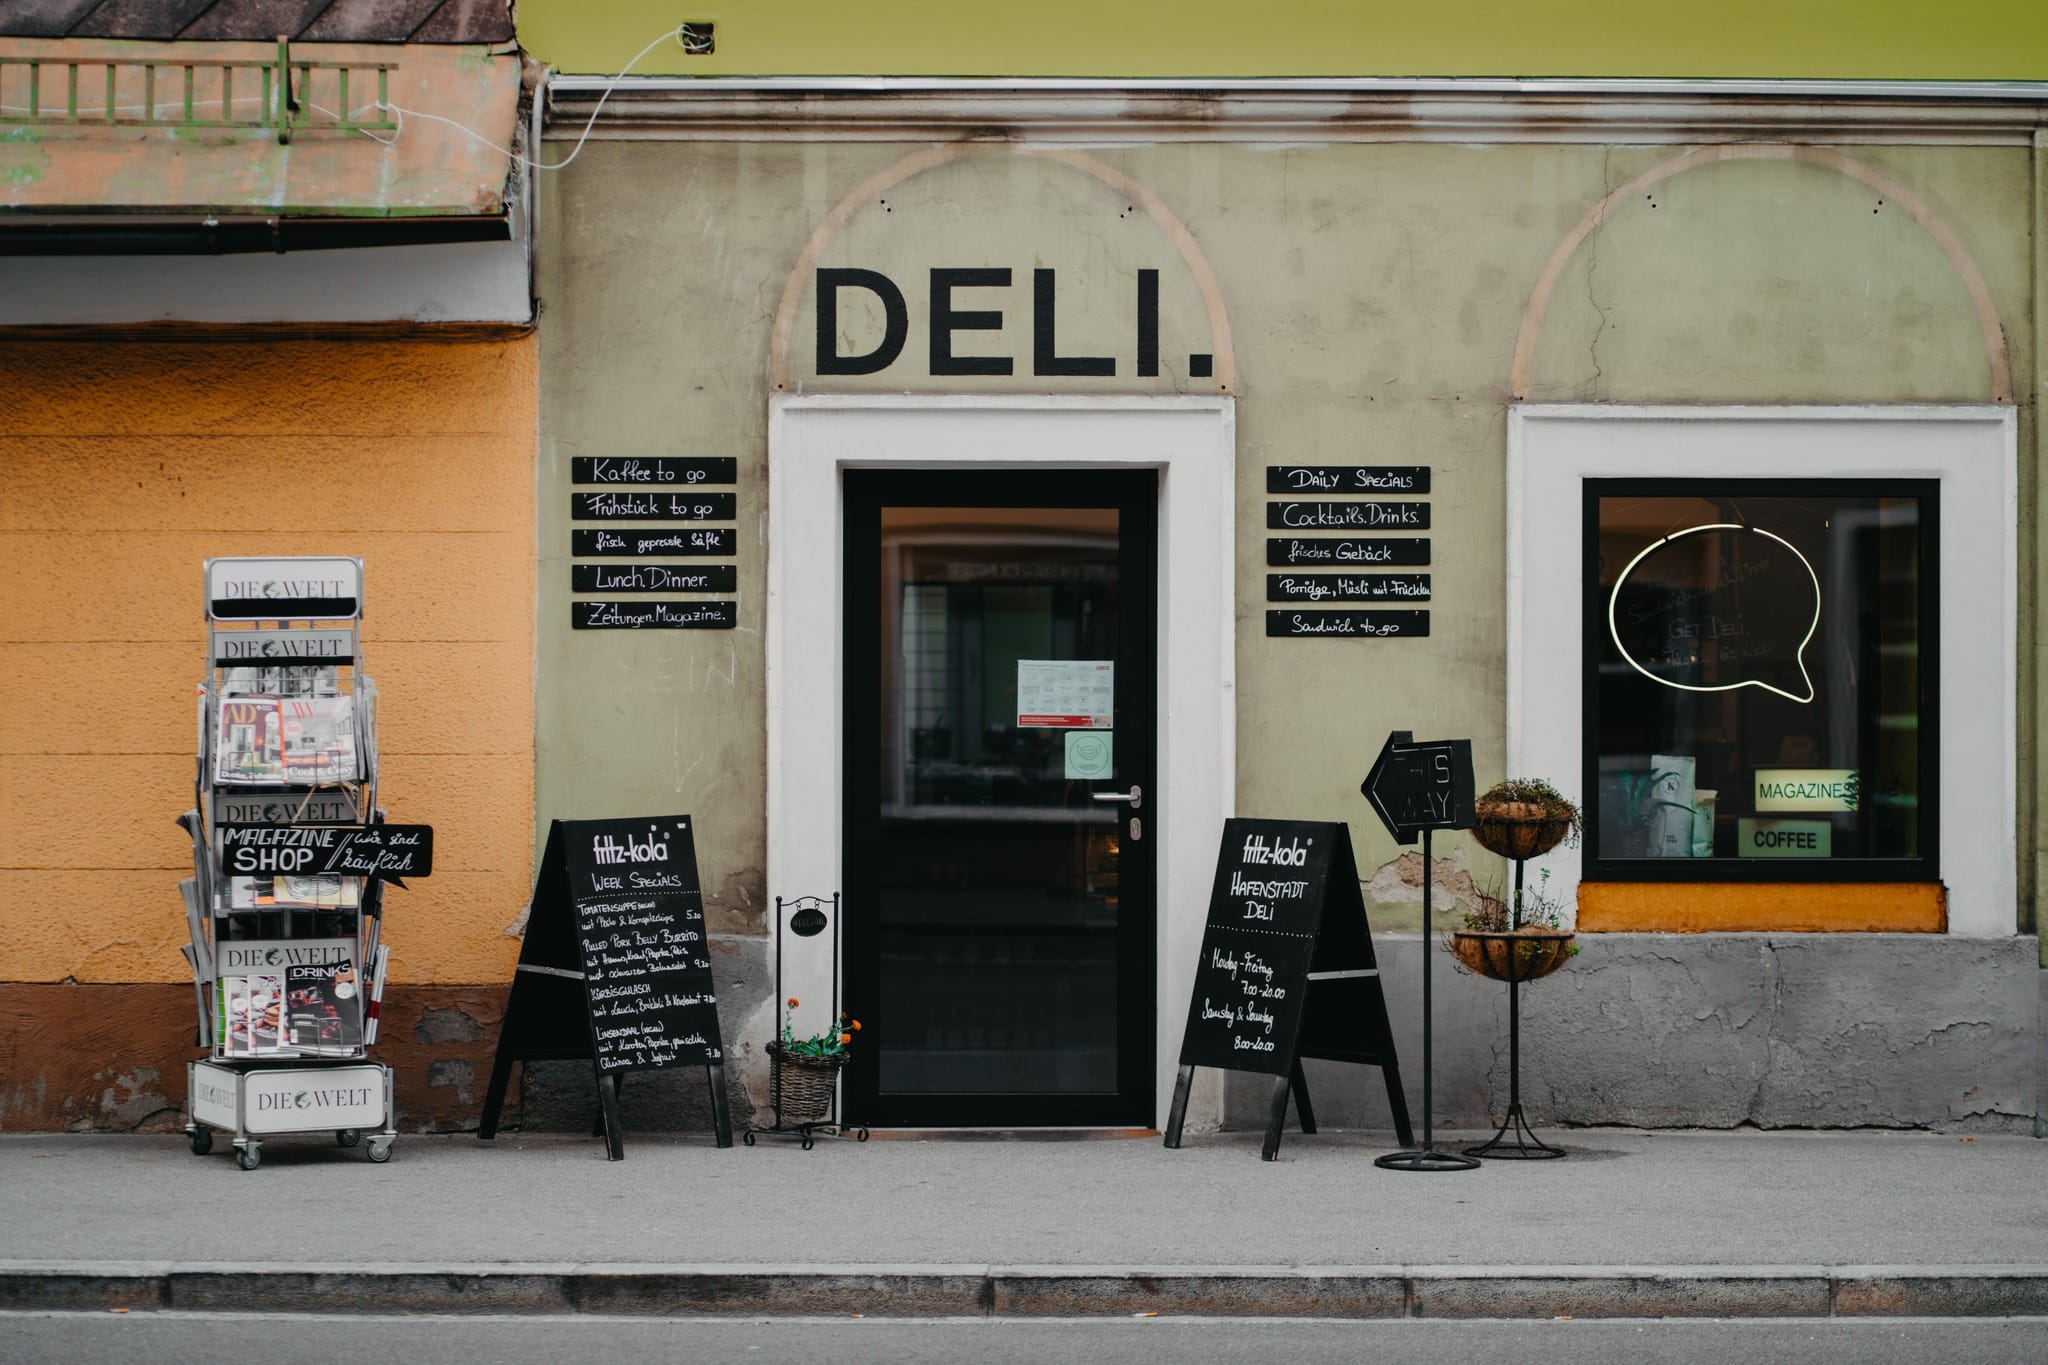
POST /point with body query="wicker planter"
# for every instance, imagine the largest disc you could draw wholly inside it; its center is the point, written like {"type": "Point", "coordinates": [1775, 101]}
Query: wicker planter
{"type": "Point", "coordinates": [1517, 829]}
{"type": "Point", "coordinates": [1516, 955]}
{"type": "Point", "coordinates": [801, 1087]}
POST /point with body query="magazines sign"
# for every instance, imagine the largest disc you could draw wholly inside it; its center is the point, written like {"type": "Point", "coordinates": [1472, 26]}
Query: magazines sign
{"type": "Point", "coordinates": [299, 587]}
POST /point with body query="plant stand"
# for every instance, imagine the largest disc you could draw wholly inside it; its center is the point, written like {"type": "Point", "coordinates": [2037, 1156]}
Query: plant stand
{"type": "Point", "coordinates": [804, 1091]}
{"type": "Point", "coordinates": [1513, 1140]}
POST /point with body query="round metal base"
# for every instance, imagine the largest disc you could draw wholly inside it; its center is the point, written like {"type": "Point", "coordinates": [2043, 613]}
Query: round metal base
{"type": "Point", "coordinates": [1425, 1159]}
{"type": "Point", "coordinates": [1513, 1141]}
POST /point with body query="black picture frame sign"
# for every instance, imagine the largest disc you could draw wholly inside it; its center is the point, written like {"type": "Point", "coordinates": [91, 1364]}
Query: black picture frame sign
{"type": "Point", "coordinates": [1287, 971]}
{"type": "Point", "coordinates": [615, 968]}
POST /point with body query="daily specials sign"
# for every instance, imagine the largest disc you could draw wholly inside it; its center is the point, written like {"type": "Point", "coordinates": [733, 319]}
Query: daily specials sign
{"type": "Point", "coordinates": [1287, 970]}
{"type": "Point", "coordinates": [616, 966]}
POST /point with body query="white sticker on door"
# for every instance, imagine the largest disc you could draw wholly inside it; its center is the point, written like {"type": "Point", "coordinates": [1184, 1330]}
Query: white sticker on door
{"type": "Point", "coordinates": [1090, 754]}
{"type": "Point", "coordinates": [1066, 694]}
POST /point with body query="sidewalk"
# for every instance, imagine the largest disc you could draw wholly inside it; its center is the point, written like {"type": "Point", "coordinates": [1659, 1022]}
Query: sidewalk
{"type": "Point", "coordinates": [1631, 1223]}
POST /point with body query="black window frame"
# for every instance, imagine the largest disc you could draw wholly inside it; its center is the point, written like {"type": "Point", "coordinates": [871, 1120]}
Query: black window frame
{"type": "Point", "coordinates": [1926, 867]}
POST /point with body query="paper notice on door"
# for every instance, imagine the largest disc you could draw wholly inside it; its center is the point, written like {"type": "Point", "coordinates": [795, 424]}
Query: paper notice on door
{"type": "Point", "coordinates": [1090, 754]}
{"type": "Point", "coordinates": [1066, 694]}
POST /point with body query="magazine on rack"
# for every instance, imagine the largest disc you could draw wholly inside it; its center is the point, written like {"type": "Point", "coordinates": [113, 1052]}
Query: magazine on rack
{"type": "Point", "coordinates": [325, 1008]}
{"type": "Point", "coordinates": [249, 743]}
{"type": "Point", "coordinates": [319, 739]}
{"type": "Point", "coordinates": [295, 893]}
{"type": "Point", "coordinates": [281, 680]}
{"type": "Point", "coordinates": [251, 1015]}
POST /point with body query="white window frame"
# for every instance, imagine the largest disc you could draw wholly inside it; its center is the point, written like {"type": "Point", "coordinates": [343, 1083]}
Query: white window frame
{"type": "Point", "coordinates": [1973, 452]}
{"type": "Point", "coordinates": [1191, 441]}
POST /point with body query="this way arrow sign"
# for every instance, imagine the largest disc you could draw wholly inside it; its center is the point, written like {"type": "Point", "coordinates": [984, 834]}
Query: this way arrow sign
{"type": "Point", "coordinates": [1413, 787]}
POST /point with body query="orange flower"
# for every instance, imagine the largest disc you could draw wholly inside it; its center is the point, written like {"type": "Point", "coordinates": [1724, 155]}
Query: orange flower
{"type": "Point", "coordinates": [856, 1025]}
{"type": "Point", "coordinates": [845, 1038]}
{"type": "Point", "coordinates": [792, 1002]}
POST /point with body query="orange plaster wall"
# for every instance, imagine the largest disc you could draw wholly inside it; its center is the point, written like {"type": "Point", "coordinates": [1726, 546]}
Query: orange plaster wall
{"type": "Point", "coordinates": [124, 465]}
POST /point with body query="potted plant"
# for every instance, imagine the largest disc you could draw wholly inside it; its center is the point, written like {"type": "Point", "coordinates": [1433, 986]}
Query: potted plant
{"type": "Point", "coordinates": [1524, 817]}
{"type": "Point", "coordinates": [803, 1070]}
{"type": "Point", "coordinates": [1518, 946]}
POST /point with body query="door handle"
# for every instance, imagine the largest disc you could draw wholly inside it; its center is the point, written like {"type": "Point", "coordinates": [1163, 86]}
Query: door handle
{"type": "Point", "coordinates": [1133, 798]}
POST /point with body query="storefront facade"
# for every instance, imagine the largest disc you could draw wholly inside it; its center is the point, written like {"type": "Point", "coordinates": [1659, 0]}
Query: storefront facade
{"type": "Point", "coordinates": [1027, 374]}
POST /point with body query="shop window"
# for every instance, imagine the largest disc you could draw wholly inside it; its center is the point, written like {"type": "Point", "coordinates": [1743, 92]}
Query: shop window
{"type": "Point", "coordinates": [1760, 684]}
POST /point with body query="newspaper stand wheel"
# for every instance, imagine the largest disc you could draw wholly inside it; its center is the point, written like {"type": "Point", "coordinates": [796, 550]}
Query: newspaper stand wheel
{"type": "Point", "coordinates": [347, 1137]}
{"type": "Point", "coordinates": [378, 1151]}
{"type": "Point", "coordinates": [201, 1139]}
{"type": "Point", "coordinates": [249, 1155]}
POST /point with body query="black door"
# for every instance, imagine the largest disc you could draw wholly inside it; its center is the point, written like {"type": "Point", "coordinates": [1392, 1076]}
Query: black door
{"type": "Point", "coordinates": [1000, 682]}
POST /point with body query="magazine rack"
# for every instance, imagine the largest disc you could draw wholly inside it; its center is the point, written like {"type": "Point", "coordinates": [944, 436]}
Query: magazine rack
{"type": "Point", "coordinates": [287, 966]}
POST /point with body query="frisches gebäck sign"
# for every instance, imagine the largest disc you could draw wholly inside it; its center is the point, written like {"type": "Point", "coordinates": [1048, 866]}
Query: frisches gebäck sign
{"type": "Point", "coordinates": [1286, 971]}
{"type": "Point", "coordinates": [977, 300]}
{"type": "Point", "coordinates": [616, 965]}
{"type": "Point", "coordinates": [1330, 552]}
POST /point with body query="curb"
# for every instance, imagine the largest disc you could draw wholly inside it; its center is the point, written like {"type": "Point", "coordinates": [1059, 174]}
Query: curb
{"type": "Point", "coordinates": [1020, 1291]}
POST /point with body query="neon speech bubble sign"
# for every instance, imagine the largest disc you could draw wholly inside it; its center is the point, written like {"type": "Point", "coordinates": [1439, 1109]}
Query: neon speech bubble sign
{"type": "Point", "coordinates": [1718, 607]}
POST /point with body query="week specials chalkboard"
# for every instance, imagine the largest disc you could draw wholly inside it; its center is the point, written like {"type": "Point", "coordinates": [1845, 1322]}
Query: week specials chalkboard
{"type": "Point", "coordinates": [1265, 908]}
{"type": "Point", "coordinates": [1342, 587]}
{"type": "Point", "coordinates": [652, 505]}
{"type": "Point", "coordinates": [1331, 552]}
{"type": "Point", "coordinates": [1347, 516]}
{"type": "Point", "coordinates": [626, 542]}
{"type": "Point", "coordinates": [640, 935]}
{"type": "Point", "coordinates": [1360, 625]}
{"type": "Point", "coordinates": [1284, 478]}
{"type": "Point", "coordinates": [659, 469]}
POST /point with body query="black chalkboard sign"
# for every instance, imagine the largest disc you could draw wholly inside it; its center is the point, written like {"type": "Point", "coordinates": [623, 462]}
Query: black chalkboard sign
{"type": "Point", "coordinates": [648, 504]}
{"type": "Point", "coordinates": [720, 615]}
{"type": "Point", "coordinates": [616, 966]}
{"type": "Point", "coordinates": [1289, 478]}
{"type": "Point", "coordinates": [629, 541]}
{"type": "Point", "coordinates": [1347, 516]}
{"type": "Point", "coordinates": [655, 470]}
{"type": "Point", "coordinates": [653, 578]}
{"type": "Point", "coordinates": [1287, 970]}
{"type": "Point", "coordinates": [1354, 625]}
{"type": "Point", "coordinates": [1347, 587]}
{"type": "Point", "coordinates": [1332, 552]}
{"type": "Point", "coordinates": [379, 852]}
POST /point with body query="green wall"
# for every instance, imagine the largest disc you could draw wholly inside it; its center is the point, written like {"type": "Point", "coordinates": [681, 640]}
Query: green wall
{"type": "Point", "coordinates": [1374, 292]}
{"type": "Point", "coordinates": [1771, 39]}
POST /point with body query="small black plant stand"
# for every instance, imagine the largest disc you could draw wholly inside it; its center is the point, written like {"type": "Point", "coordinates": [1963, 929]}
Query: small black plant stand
{"type": "Point", "coordinates": [1513, 1140]}
{"type": "Point", "coordinates": [806, 917]}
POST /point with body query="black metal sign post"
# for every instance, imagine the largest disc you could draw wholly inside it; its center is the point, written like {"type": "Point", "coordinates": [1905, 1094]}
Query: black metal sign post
{"type": "Point", "coordinates": [1417, 789]}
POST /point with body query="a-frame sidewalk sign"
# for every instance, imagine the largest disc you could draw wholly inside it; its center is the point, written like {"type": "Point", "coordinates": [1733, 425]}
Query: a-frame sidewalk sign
{"type": "Point", "coordinates": [1287, 971]}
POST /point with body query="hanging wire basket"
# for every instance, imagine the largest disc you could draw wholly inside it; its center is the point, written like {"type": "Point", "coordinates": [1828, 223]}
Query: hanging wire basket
{"type": "Point", "coordinates": [800, 1086]}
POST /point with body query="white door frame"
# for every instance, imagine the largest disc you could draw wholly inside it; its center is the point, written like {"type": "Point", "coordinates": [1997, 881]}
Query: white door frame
{"type": "Point", "coordinates": [1191, 441]}
{"type": "Point", "coordinates": [1971, 448]}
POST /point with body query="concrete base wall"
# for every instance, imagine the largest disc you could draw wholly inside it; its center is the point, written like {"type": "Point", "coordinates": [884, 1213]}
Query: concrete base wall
{"type": "Point", "coordinates": [1713, 1031]}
